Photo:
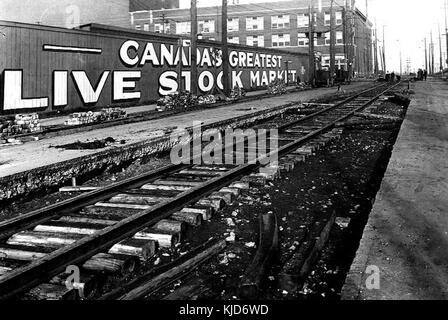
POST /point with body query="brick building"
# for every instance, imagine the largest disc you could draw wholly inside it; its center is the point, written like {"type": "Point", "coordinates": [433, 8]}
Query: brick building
{"type": "Point", "coordinates": [280, 25]}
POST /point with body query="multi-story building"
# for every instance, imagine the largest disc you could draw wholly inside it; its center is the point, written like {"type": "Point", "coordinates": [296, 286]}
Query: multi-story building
{"type": "Point", "coordinates": [281, 25]}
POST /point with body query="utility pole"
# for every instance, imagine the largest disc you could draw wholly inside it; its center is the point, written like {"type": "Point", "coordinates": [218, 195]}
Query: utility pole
{"type": "Point", "coordinates": [375, 47]}
{"type": "Point", "coordinates": [426, 55]}
{"type": "Point", "coordinates": [349, 31]}
{"type": "Point", "coordinates": [332, 43]}
{"type": "Point", "coordinates": [446, 29]}
{"type": "Point", "coordinates": [225, 51]}
{"type": "Point", "coordinates": [311, 44]}
{"type": "Point", "coordinates": [432, 55]}
{"type": "Point", "coordinates": [194, 45]}
{"type": "Point", "coordinates": [384, 49]}
{"type": "Point", "coordinates": [441, 54]}
{"type": "Point", "coordinates": [181, 52]}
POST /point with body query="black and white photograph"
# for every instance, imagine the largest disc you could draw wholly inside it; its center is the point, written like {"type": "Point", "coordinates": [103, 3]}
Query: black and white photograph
{"type": "Point", "coordinates": [223, 158]}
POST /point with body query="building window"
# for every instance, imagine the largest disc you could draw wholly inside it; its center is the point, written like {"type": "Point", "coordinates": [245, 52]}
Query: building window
{"type": "Point", "coordinates": [138, 27]}
{"type": "Point", "coordinates": [255, 41]}
{"type": "Point", "coordinates": [303, 40]}
{"type": "Point", "coordinates": [206, 26]}
{"type": "Point", "coordinates": [303, 20]}
{"type": "Point", "coordinates": [233, 24]}
{"type": "Point", "coordinates": [158, 28]}
{"type": "Point", "coordinates": [233, 40]}
{"type": "Point", "coordinates": [281, 40]}
{"type": "Point", "coordinates": [338, 16]}
{"type": "Point", "coordinates": [327, 38]}
{"type": "Point", "coordinates": [327, 18]}
{"type": "Point", "coordinates": [255, 23]}
{"type": "Point", "coordinates": [146, 27]}
{"type": "Point", "coordinates": [183, 27]}
{"type": "Point", "coordinates": [339, 61]}
{"type": "Point", "coordinates": [339, 37]}
{"type": "Point", "coordinates": [280, 22]}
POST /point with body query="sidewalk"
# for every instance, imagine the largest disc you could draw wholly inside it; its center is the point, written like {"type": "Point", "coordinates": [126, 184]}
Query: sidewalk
{"type": "Point", "coordinates": [407, 233]}
{"type": "Point", "coordinates": [59, 120]}
{"type": "Point", "coordinates": [32, 155]}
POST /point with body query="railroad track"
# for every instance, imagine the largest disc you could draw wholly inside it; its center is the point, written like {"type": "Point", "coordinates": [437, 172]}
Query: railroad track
{"type": "Point", "coordinates": [111, 229]}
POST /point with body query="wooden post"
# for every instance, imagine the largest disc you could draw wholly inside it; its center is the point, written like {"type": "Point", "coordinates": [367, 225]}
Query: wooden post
{"type": "Point", "coordinates": [311, 45]}
{"type": "Point", "coordinates": [181, 51]}
{"type": "Point", "coordinates": [225, 51]}
{"type": "Point", "coordinates": [332, 43]}
{"type": "Point", "coordinates": [194, 44]}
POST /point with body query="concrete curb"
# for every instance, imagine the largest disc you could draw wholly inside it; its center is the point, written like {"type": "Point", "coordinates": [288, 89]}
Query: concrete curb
{"type": "Point", "coordinates": [355, 281]}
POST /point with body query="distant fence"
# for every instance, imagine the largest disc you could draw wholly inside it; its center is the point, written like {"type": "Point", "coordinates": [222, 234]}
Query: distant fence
{"type": "Point", "coordinates": [46, 68]}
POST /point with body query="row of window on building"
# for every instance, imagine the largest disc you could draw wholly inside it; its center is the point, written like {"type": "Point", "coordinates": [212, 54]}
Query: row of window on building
{"type": "Point", "coordinates": [284, 40]}
{"type": "Point", "coordinates": [252, 23]}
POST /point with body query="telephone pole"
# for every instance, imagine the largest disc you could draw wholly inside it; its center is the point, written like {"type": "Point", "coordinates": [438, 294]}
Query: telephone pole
{"type": "Point", "coordinates": [311, 44]}
{"type": "Point", "coordinates": [194, 45]}
{"type": "Point", "coordinates": [432, 55]}
{"type": "Point", "coordinates": [426, 55]}
{"type": "Point", "coordinates": [332, 43]}
{"type": "Point", "coordinates": [446, 29]}
{"type": "Point", "coordinates": [441, 54]}
{"type": "Point", "coordinates": [375, 48]}
{"type": "Point", "coordinates": [225, 51]}
{"type": "Point", "coordinates": [384, 49]}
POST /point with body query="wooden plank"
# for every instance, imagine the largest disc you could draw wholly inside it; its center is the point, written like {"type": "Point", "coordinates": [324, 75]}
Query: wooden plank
{"type": "Point", "coordinates": [177, 183]}
{"type": "Point", "coordinates": [81, 219]}
{"type": "Point", "coordinates": [48, 291]}
{"type": "Point", "coordinates": [77, 189]}
{"type": "Point", "coordinates": [206, 213]}
{"type": "Point", "coordinates": [165, 275]}
{"type": "Point", "coordinates": [143, 249]}
{"type": "Point", "coordinates": [163, 238]}
{"type": "Point", "coordinates": [123, 205]}
{"type": "Point", "coordinates": [136, 199]}
{"type": "Point", "coordinates": [151, 186]}
{"type": "Point", "coordinates": [110, 263]}
{"type": "Point", "coordinates": [65, 229]}
{"type": "Point", "coordinates": [4, 270]}
{"type": "Point", "coordinates": [191, 218]}
{"type": "Point", "coordinates": [168, 225]}
{"type": "Point", "coordinates": [43, 239]}
{"type": "Point", "coordinates": [255, 274]}
{"type": "Point", "coordinates": [21, 255]}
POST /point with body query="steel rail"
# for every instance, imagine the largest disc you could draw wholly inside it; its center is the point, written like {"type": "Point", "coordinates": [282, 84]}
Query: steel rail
{"type": "Point", "coordinates": [34, 273]}
{"type": "Point", "coordinates": [14, 225]}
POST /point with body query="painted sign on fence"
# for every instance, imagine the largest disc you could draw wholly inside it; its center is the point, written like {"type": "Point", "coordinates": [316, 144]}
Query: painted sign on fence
{"type": "Point", "coordinates": [47, 68]}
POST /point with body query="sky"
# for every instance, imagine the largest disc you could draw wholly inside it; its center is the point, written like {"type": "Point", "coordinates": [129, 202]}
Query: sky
{"type": "Point", "coordinates": [407, 23]}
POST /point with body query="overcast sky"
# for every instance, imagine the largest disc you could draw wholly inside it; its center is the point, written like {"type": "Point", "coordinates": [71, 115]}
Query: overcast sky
{"type": "Point", "coordinates": [408, 21]}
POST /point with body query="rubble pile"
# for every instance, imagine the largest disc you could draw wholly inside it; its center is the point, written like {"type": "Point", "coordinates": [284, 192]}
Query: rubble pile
{"type": "Point", "coordinates": [237, 93]}
{"type": "Point", "coordinates": [277, 86]}
{"type": "Point", "coordinates": [20, 124]}
{"type": "Point", "coordinates": [107, 114]}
